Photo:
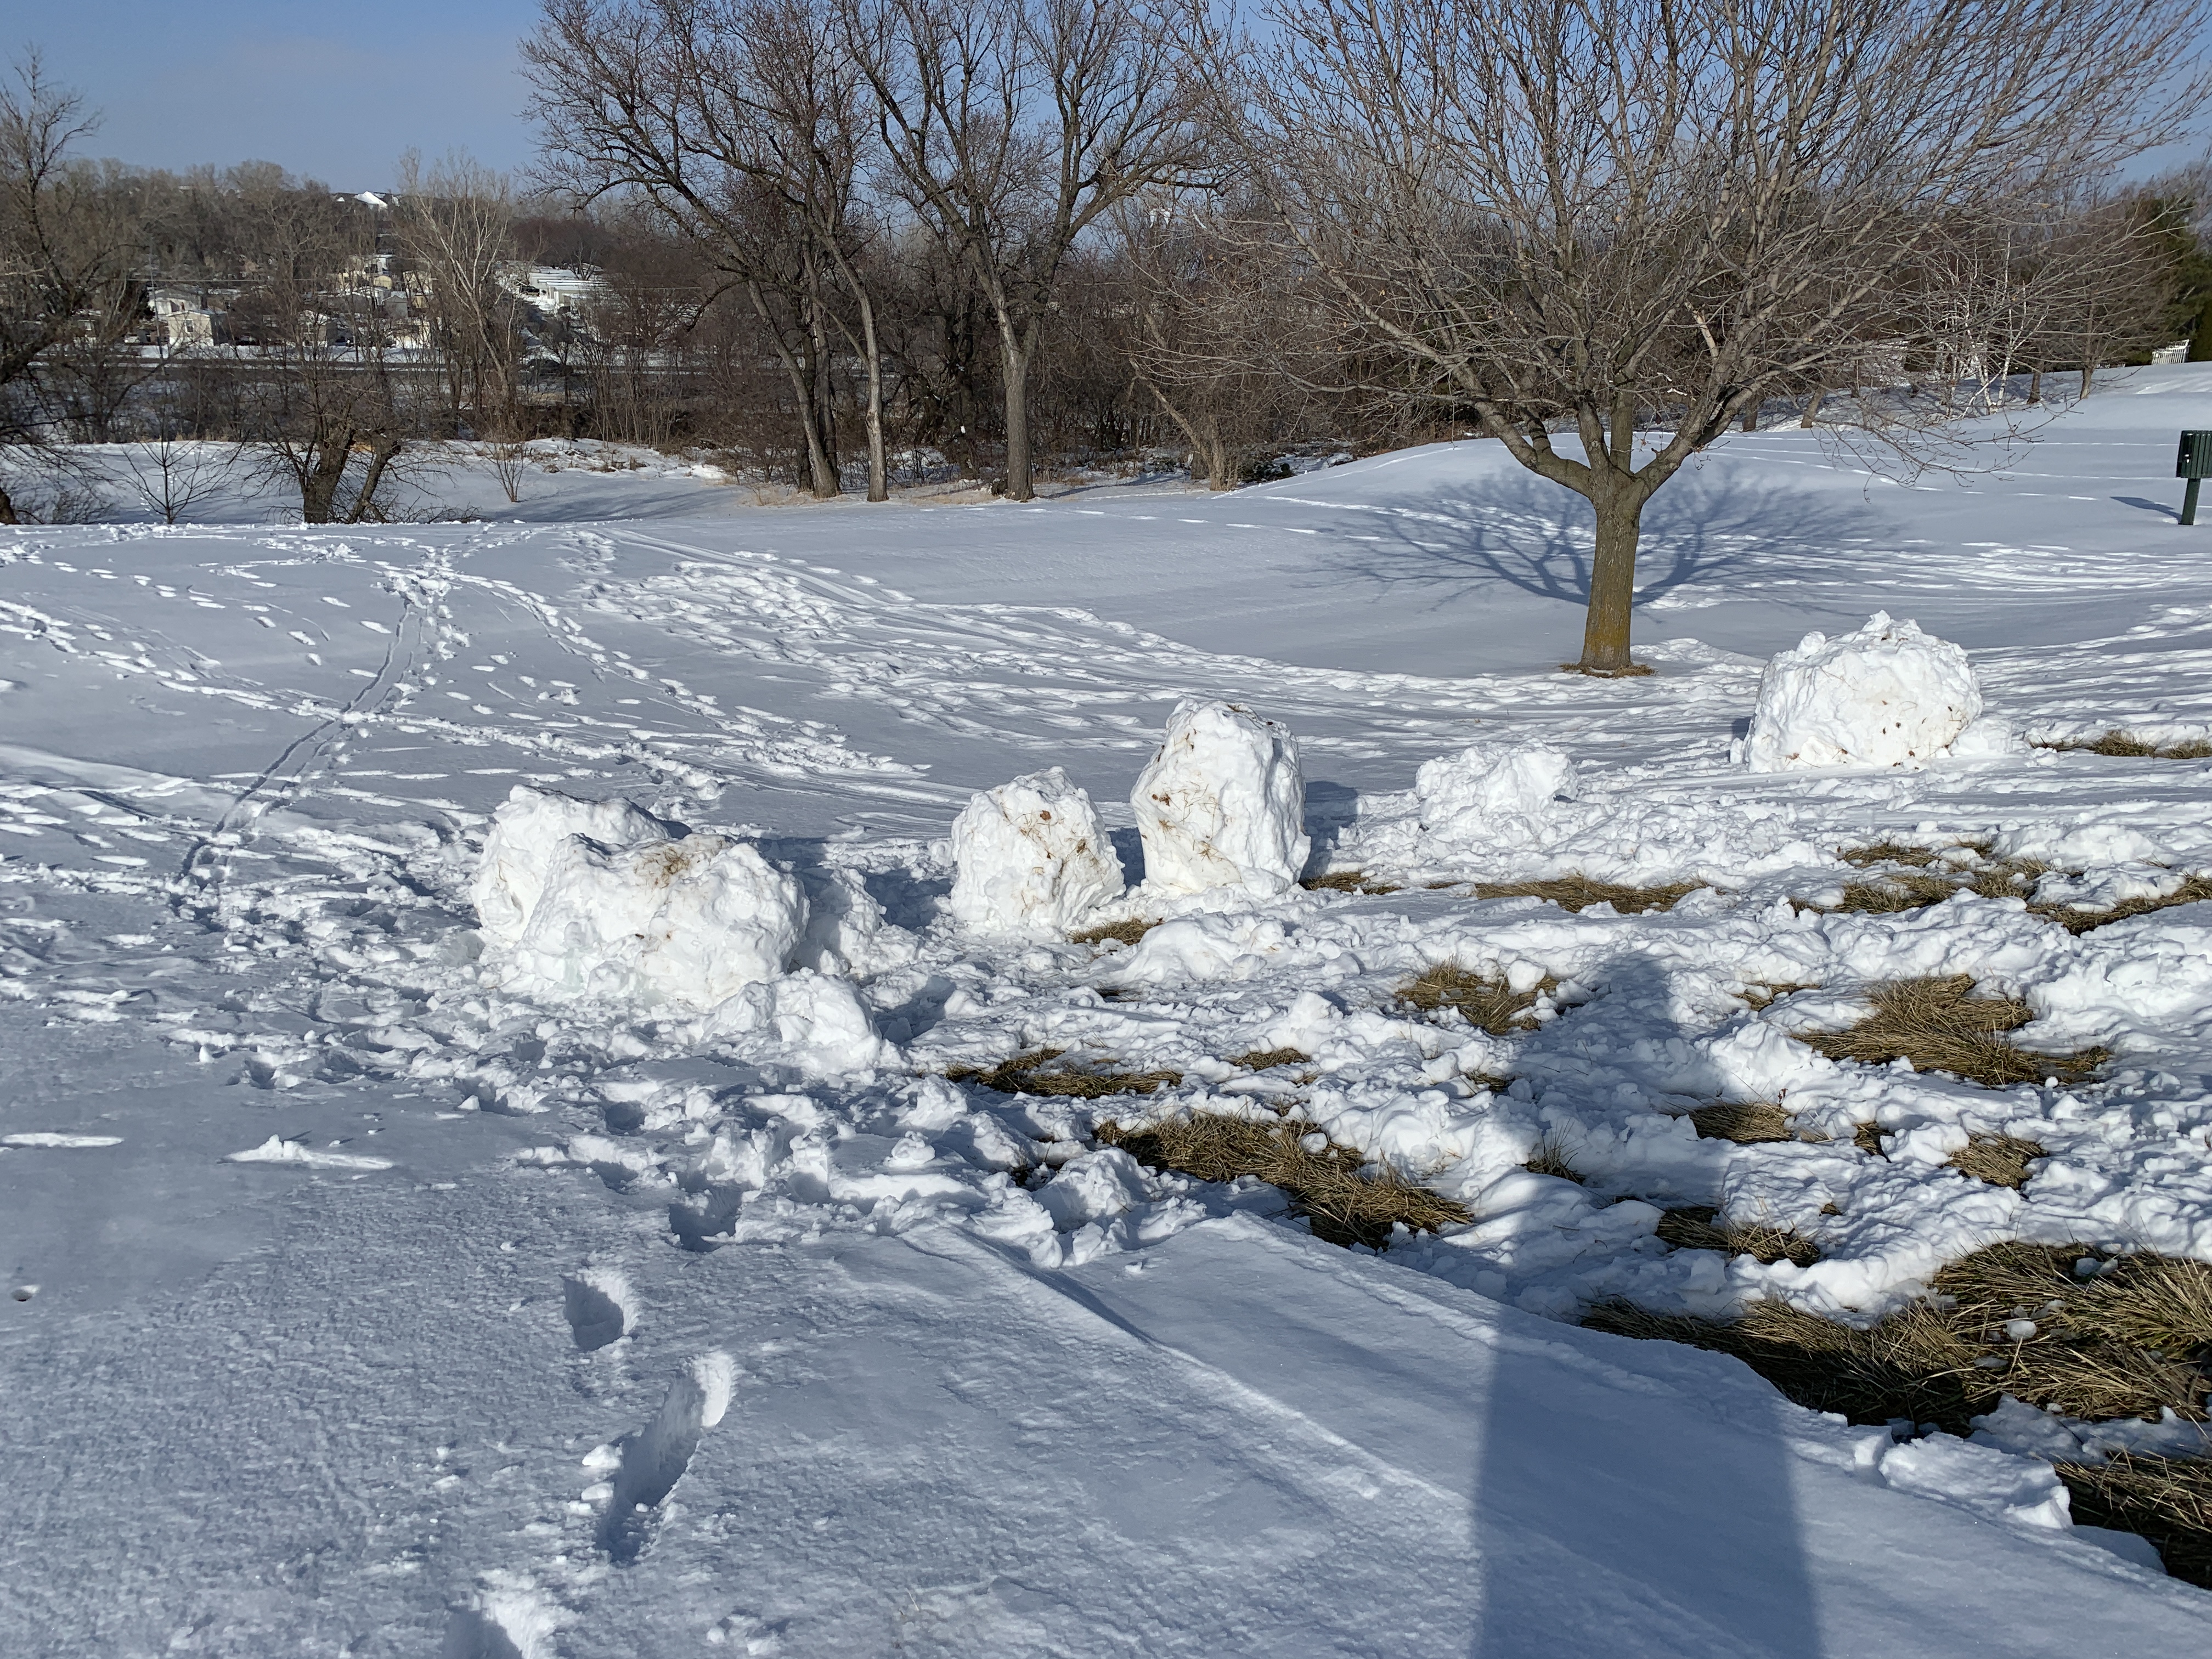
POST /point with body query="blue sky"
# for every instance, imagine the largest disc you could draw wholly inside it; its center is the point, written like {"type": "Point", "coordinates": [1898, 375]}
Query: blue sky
{"type": "Point", "coordinates": [337, 92]}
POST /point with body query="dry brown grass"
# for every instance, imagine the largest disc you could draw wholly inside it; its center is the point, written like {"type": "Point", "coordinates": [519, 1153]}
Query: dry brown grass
{"type": "Point", "coordinates": [1260, 1060]}
{"type": "Point", "coordinates": [1347, 881]}
{"type": "Point", "coordinates": [1887, 852]}
{"type": "Point", "coordinates": [1867, 1137]}
{"type": "Point", "coordinates": [1550, 1158]}
{"type": "Point", "coordinates": [1747, 1122]}
{"type": "Point", "coordinates": [2191, 891]}
{"type": "Point", "coordinates": [1578, 892]}
{"type": "Point", "coordinates": [2001, 1160]}
{"type": "Point", "coordinates": [1694, 1228]}
{"type": "Point", "coordinates": [2123, 1341]}
{"type": "Point", "coordinates": [1940, 1026]}
{"type": "Point", "coordinates": [1759, 996]}
{"type": "Point", "coordinates": [1127, 931]}
{"type": "Point", "coordinates": [2116, 742]}
{"type": "Point", "coordinates": [1027, 1074]}
{"type": "Point", "coordinates": [1491, 1005]}
{"type": "Point", "coordinates": [1341, 1201]}
{"type": "Point", "coordinates": [2167, 1499]}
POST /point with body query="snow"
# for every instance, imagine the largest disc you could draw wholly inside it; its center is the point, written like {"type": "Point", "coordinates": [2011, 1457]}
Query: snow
{"type": "Point", "coordinates": [1885, 695]}
{"type": "Point", "coordinates": [1222, 803]}
{"type": "Point", "coordinates": [481, 1073]}
{"type": "Point", "coordinates": [1031, 857]}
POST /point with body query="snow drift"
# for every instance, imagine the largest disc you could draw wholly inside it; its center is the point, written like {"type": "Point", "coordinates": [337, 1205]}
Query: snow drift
{"type": "Point", "coordinates": [1032, 858]}
{"type": "Point", "coordinates": [1886, 696]}
{"type": "Point", "coordinates": [527, 832]}
{"type": "Point", "coordinates": [1222, 803]}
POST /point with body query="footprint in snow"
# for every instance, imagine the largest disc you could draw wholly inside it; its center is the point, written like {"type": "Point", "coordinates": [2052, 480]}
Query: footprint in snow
{"type": "Point", "coordinates": [654, 1458]}
{"type": "Point", "coordinates": [600, 1307]}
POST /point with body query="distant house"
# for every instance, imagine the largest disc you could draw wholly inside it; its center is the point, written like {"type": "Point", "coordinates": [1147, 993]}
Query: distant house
{"type": "Point", "coordinates": [185, 317]}
{"type": "Point", "coordinates": [554, 290]}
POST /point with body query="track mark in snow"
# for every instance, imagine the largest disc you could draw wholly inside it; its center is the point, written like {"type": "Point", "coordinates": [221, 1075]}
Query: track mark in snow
{"type": "Point", "coordinates": [654, 1459]}
{"type": "Point", "coordinates": [46, 1138]}
{"type": "Point", "coordinates": [599, 1306]}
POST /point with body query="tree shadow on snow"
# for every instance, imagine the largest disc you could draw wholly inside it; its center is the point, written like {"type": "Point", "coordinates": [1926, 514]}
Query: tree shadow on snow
{"type": "Point", "coordinates": [1715, 527]}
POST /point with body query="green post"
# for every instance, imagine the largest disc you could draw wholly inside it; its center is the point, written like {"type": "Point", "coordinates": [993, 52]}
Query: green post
{"type": "Point", "coordinates": [2193, 461]}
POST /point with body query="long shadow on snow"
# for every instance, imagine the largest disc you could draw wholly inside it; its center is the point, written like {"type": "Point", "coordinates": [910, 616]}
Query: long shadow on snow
{"type": "Point", "coordinates": [1714, 527]}
{"type": "Point", "coordinates": [1716, 1565]}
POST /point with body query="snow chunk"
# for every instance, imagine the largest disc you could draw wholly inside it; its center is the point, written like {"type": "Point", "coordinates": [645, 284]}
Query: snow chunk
{"type": "Point", "coordinates": [690, 923]}
{"type": "Point", "coordinates": [1222, 803]}
{"type": "Point", "coordinates": [807, 1019]}
{"type": "Point", "coordinates": [1883, 696]}
{"type": "Point", "coordinates": [526, 831]}
{"type": "Point", "coordinates": [277, 1149]}
{"type": "Point", "coordinates": [1032, 856]}
{"type": "Point", "coordinates": [1490, 795]}
{"type": "Point", "coordinates": [1093, 1187]}
{"type": "Point", "coordinates": [2000, 1485]}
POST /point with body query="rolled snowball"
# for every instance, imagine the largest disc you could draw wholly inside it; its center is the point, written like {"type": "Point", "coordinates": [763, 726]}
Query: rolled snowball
{"type": "Point", "coordinates": [1223, 803]}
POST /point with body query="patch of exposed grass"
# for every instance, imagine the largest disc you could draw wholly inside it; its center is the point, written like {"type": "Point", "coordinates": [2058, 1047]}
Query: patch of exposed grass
{"type": "Point", "coordinates": [1028, 1074]}
{"type": "Point", "coordinates": [2122, 1341]}
{"type": "Point", "coordinates": [1342, 1202]}
{"type": "Point", "coordinates": [2167, 1499]}
{"type": "Point", "coordinates": [1259, 1060]}
{"type": "Point", "coordinates": [2120, 743]}
{"type": "Point", "coordinates": [1550, 1158]}
{"type": "Point", "coordinates": [1868, 1139]}
{"type": "Point", "coordinates": [1887, 852]}
{"type": "Point", "coordinates": [2001, 1160]}
{"type": "Point", "coordinates": [1916, 885]}
{"type": "Point", "coordinates": [1127, 931]}
{"type": "Point", "coordinates": [2196, 888]}
{"type": "Point", "coordinates": [1578, 892]}
{"type": "Point", "coordinates": [1491, 1005]}
{"type": "Point", "coordinates": [1759, 996]}
{"type": "Point", "coordinates": [1940, 1026]}
{"type": "Point", "coordinates": [1747, 1122]}
{"type": "Point", "coordinates": [1694, 1228]}
{"type": "Point", "coordinates": [1347, 881]}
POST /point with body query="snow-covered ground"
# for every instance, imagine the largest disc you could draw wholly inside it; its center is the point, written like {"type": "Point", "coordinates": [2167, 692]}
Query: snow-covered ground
{"type": "Point", "coordinates": [370, 1274]}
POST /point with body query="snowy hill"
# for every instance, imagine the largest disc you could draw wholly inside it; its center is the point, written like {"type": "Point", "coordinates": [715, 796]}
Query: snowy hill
{"type": "Point", "coordinates": [372, 1297]}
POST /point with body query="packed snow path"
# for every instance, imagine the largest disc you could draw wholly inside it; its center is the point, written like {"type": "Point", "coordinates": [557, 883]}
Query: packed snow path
{"type": "Point", "coordinates": [349, 1315]}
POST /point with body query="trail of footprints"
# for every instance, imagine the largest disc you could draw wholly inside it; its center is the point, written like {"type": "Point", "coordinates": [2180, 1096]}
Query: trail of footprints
{"type": "Point", "coordinates": [509, 1618]}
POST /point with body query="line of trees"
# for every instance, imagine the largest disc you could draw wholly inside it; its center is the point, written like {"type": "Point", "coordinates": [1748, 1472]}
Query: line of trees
{"type": "Point", "coordinates": [1599, 232]}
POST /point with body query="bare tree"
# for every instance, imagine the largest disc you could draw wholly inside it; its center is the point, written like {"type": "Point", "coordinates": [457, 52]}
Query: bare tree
{"type": "Point", "coordinates": [455, 224]}
{"type": "Point", "coordinates": [65, 255]}
{"type": "Point", "coordinates": [1013, 126]}
{"type": "Point", "coordinates": [1605, 216]}
{"type": "Point", "coordinates": [739, 125]}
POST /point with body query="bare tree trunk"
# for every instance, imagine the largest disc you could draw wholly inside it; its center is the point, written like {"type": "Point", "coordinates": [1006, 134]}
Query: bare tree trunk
{"type": "Point", "coordinates": [1612, 585]}
{"type": "Point", "coordinates": [2088, 374]}
{"type": "Point", "coordinates": [321, 478]}
{"type": "Point", "coordinates": [879, 483]}
{"type": "Point", "coordinates": [7, 507]}
{"type": "Point", "coordinates": [820, 470]}
{"type": "Point", "coordinates": [1751, 418]}
{"type": "Point", "coordinates": [2035, 385]}
{"type": "Point", "coordinates": [1021, 484]}
{"type": "Point", "coordinates": [1812, 415]}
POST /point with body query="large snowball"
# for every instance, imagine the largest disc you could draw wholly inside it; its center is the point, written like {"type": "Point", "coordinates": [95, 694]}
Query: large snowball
{"type": "Point", "coordinates": [1032, 858]}
{"type": "Point", "coordinates": [526, 831]}
{"type": "Point", "coordinates": [689, 921]}
{"type": "Point", "coordinates": [1222, 804]}
{"type": "Point", "coordinates": [1490, 795]}
{"type": "Point", "coordinates": [1886, 696]}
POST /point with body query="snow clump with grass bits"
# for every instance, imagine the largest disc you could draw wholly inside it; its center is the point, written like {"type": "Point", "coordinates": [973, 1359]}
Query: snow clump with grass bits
{"type": "Point", "coordinates": [1032, 858]}
{"type": "Point", "coordinates": [688, 922]}
{"type": "Point", "coordinates": [1886, 696]}
{"type": "Point", "coordinates": [1490, 796]}
{"type": "Point", "coordinates": [1222, 803]}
